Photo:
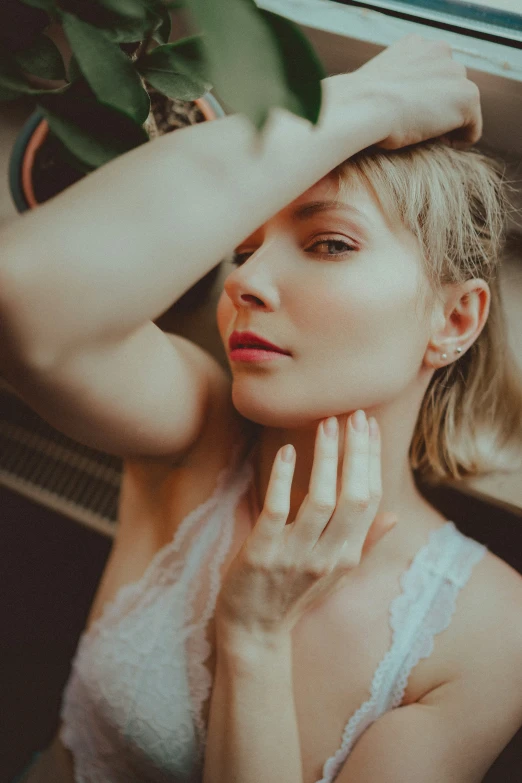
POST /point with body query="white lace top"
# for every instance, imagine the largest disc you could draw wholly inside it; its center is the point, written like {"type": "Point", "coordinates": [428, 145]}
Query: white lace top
{"type": "Point", "coordinates": [132, 706]}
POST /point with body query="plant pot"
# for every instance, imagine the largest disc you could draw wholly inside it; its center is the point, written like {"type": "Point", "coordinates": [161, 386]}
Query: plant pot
{"type": "Point", "coordinates": [37, 172]}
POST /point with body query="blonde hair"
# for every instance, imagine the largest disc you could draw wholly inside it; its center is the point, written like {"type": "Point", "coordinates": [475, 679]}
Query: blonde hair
{"type": "Point", "coordinates": [456, 203]}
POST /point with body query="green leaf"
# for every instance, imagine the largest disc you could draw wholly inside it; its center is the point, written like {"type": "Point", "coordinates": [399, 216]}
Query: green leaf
{"type": "Point", "coordinates": [13, 80]}
{"type": "Point", "coordinates": [111, 74]}
{"type": "Point", "coordinates": [162, 33]}
{"type": "Point", "coordinates": [236, 32]}
{"type": "Point", "coordinates": [73, 70]}
{"type": "Point", "coordinates": [134, 9]}
{"type": "Point", "coordinates": [128, 31]}
{"type": "Point", "coordinates": [177, 69]}
{"type": "Point", "coordinates": [81, 144]}
{"type": "Point", "coordinates": [44, 5]}
{"type": "Point", "coordinates": [303, 68]}
{"type": "Point", "coordinates": [20, 26]}
{"type": "Point", "coordinates": [116, 27]}
{"type": "Point", "coordinates": [159, 21]}
{"type": "Point", "coordinates": [42, 59]}
{"type": "Point", "coordinates": [175, 86]}
{"type": "Point", "coordinates": [8, 95]}
{"type": "Point", "coordinates": [94, 133]}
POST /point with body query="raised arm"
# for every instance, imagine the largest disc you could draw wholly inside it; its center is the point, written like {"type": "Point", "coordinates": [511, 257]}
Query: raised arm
{"type": "Point", "coordinates": [117, 248]}
{"type": "Point", "coordinates": [83, 276]}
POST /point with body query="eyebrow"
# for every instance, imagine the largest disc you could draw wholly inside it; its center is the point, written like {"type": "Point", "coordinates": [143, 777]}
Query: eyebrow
{"type": "Point", "coordinates": [305, 211]}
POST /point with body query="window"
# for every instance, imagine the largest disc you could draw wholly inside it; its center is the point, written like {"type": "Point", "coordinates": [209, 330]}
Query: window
{"type": "Point", "coordinates": [495, 19]}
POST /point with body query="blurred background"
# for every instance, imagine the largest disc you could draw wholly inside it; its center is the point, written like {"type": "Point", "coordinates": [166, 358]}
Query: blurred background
{"type": "Point", "coordinates": [59, 499]}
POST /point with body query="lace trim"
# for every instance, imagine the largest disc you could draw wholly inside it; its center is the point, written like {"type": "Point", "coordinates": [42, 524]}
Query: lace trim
{"type": "Point", "coordinates": [418, 589]}
{"type": "Point", "coordinates": [198, 646]}
{"type": "Point", "coordinates": [116, 608]}
{"type": "Point", "coordinates": [101, 757]}
{"type": "Point", "coordinates": [440, 612]}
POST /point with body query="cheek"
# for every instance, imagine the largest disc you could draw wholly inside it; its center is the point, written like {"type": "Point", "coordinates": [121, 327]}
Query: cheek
{"type": "Point", "coordinates": [350, 310]}
{"type": "Point", "coordinates": [370, 322]}
{"type": "Point", "coordinates": [223, 314]}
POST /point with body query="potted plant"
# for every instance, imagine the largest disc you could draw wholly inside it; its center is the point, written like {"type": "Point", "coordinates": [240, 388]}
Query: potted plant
{"type": "Point", "coordinates": [119, 82]}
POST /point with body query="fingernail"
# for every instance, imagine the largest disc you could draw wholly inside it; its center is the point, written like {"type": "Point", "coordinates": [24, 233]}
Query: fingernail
{"type": "Point", "coordinates": [359, 421]}
{"type": "Point", "coordinates": [288, 453]}
{"type": "Point", "coordinates": [330, 426]}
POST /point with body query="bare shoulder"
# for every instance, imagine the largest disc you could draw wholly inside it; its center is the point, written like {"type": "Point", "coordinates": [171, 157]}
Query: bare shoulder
{"type": "Point", "coordinates": [482, 699]}
{"type": "Point", "coordinates": [496, 592]}
{"type": "Point", "coordinates": [490, 635]}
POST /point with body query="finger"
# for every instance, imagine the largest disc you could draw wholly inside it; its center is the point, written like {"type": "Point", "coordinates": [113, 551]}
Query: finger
{"type": "Point", "coordinates": [319, 504]}
{"type": "Point", "coordinates": [375, 473]}
{"type": "Point", "coordinates": [353, 504]}
{"type": "Point", "coordinates": [276, 506]}
{"type": "Point", "coordinates": [355, 485]}
{"type": "Point", "coordinates": [471, 131]}
{"type": "Point", "coordinates": [377, 525]}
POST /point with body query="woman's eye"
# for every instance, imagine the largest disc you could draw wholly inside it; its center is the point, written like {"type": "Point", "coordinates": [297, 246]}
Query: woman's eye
{"type": "Point", "coordinates": [333, 242]}
{"type": "Point", "coordinates": [236, 258]}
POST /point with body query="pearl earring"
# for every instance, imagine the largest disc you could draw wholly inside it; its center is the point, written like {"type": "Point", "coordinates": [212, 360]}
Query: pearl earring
{"type": "Point", "coordinates": [445, 356]}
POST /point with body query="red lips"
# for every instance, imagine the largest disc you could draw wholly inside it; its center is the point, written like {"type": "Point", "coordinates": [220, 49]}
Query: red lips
{"type": "Point", "coordinates": [250, 339]}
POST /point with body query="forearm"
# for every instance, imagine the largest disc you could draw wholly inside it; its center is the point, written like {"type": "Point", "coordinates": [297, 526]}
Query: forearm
{"type": "Point", "coordinates": [252, 733]}
{"type": "Point", "coordinates": [117, 248]}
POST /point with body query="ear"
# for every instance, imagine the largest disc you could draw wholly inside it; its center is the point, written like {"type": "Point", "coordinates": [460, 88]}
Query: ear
{"type": "Point", "coordinates": [457, 321]}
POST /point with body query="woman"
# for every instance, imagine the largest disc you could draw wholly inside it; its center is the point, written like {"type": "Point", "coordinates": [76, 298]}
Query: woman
{"type": "Point", "coordinates": [241, 629]}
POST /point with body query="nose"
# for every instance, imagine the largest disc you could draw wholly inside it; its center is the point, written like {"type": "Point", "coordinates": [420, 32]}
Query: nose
{"type": "Point", "coordinates": [251, 290]}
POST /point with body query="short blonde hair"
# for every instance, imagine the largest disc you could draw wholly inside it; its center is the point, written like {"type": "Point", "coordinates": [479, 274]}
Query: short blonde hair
{"type": "Point", "coordinates": [456, 203]}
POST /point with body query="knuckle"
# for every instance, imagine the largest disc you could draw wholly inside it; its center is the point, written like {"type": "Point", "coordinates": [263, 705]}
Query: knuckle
{"type": "Point", "coordinates": [457, 67]}
{"type": "Point", "coordinates": [474, 91]}
{"type": "Point", "coordinates": [253, 560]}
{"type": "Point", "coordinates": [274, 514]}
{"type": "Point", "coordinates": [318, 569]}
{"type": "Point", "coordinates": [349, 561]}
{"type": "Point", "coordinates": [322, 505]}
{"type": "Point", "coordinates": [359, 502]}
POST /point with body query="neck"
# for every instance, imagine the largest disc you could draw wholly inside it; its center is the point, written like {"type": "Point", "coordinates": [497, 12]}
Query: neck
{"type": "Point", "coordinates": [400, 493]}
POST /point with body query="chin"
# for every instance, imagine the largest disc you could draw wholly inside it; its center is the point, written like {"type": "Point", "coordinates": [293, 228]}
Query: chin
{"type": "Point", "coordinates": [259, 409]}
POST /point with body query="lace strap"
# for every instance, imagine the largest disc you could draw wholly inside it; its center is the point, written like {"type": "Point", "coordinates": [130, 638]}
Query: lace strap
{"type": "Point", "coordinates": [449, 575]}
{"type": "Point", "coordinates": [442, 566]}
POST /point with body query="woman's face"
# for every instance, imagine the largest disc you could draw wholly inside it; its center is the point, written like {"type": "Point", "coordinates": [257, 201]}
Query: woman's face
{"type": "Point", "coordinates": [340, 291]}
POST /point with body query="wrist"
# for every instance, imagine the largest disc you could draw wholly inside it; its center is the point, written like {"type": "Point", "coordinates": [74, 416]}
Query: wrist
{"type": "Point", "coordinates": [250, 646]}
{"type": "Point", "coordinates": [351, 102]}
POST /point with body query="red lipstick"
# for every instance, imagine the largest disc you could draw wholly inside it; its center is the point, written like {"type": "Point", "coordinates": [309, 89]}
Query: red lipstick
{"type": "Point", "coordinates": [248, 346]}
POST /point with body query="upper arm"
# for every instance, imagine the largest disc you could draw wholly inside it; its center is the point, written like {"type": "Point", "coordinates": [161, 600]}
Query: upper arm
{"type": "Point", "coordinates": [53, 765]}
{"type": "Point", "coordinates": [455, 732]}
{"type": "Point", "coordinates": [146, 395]}
{"type": "Point", "coordinates": [452, 735]}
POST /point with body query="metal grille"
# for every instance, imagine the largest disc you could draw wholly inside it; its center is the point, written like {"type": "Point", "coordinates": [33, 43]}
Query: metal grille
{"type": "Point", "coordinates": [51, 469]}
